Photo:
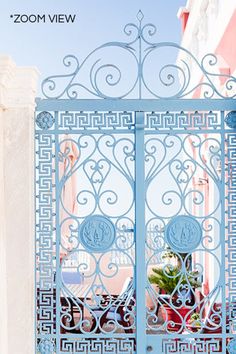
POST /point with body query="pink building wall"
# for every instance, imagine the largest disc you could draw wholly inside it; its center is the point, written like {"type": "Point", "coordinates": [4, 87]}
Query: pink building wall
{"type": "Point", "coordinates": [225, 50]}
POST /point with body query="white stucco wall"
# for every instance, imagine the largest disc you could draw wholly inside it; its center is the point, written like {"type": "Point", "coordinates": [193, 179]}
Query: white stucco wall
{"type": "Point", "coordinates": [17, 102]}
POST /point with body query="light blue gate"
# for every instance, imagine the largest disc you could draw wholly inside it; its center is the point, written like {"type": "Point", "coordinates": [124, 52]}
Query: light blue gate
{"type": "Point", "coordinates": [135, 204]}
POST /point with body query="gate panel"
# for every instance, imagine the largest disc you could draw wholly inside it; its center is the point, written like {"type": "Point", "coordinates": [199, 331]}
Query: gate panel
{"type": "Point", "coordinates": [85, 232]}
{"type": "Point", "coordinates": [190, 303]}
{"type": "Point", "coordinates": [92, 168]}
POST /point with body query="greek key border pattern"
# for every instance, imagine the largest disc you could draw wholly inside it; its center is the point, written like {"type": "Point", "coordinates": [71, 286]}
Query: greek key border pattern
{"type": "Point", "coordinates": [45, 234]}
{"type": "Point", "coordinates": [95, 120]}
{"type": "Point", "coordinates": [125, 120]}
{"type": "Point", "coordinates": [191, 346]}
{"type": "Point", "coordinates": [182, 120]}
{"type": "Point", "coordinates": [98, 346]}
{"type": "Point", "coordinates": [231, 227]}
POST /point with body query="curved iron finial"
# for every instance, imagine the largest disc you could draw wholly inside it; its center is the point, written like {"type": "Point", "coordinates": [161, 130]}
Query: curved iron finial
{"type": "Point", "coordinates": [128, 71]}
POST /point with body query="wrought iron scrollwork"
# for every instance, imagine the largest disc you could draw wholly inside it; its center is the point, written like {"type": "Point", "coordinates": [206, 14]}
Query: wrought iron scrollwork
{"type": "Point", "coordinates": [122, 70]}
{"type": "Point", "coordinates": [96, 228]}
{"type": "Point", "coordinates": [182, 222]}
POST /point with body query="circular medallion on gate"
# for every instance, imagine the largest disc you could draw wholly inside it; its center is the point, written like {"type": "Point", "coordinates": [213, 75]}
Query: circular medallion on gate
{"type": "Point", "coordinates": [97, 233]}
{"type": "Point", "coordinates": [230, 119]}
{"type": "Point", "coordinates": [46, 345]}
{"type": "Point", "coordinates": [45, 120]}
{"type": "Point", "coordinates": [183, 234]}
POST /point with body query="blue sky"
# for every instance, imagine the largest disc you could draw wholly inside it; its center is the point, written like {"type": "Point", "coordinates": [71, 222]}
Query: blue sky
{"type": "Point", "coordinates": [98, 21]}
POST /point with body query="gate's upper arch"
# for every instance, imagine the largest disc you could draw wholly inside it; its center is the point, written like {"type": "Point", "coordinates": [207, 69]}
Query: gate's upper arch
{"type": "Point", "coordinates": [137, 69]}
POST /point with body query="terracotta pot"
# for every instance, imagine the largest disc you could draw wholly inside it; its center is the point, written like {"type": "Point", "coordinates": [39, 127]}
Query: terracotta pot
{"type": "Point", "coordinates": [176, 316]}
{"type": "Point", "coordinates": [193, 328]}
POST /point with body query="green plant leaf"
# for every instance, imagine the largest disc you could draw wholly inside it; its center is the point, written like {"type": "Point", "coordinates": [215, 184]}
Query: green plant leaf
{"type": "Point", "coordinates": [170, 278]}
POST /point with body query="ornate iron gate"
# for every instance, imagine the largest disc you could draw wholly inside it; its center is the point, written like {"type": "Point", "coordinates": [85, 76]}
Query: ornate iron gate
{"type": "Point", "coordinates": [135, 204]}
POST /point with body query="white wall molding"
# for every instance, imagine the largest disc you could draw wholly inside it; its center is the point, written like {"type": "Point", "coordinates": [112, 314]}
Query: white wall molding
{"type": "Point", "coordinates": [18, 87]}
{"type": "Point", "coordinates": [3, 270]}
{"type": "Point", "coordinates": [17, 84]}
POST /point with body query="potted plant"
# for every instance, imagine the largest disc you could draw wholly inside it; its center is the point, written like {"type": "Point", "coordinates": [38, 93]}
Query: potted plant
{"type": "Point", "coordinates": [179, 287]}
{"type": "Point", "coordinates": [172, 258]}
{"type": "Point", "coordinates": [194, 323]}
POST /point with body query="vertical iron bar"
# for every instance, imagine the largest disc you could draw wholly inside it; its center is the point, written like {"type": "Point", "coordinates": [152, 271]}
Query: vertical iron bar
{"type": "Point", "coordinates": [57, 197]}
{"type": "Point", "coordinates": [223, 231]}
{"type": "Point", "coordinates": [140, 61]}
{"type": "Point", "coordinates": [140, 276]}
{"type": "Point", "coordinates": [36, 285]}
